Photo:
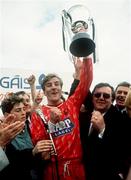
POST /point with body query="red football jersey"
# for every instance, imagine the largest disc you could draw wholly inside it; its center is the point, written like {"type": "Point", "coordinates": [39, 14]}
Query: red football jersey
{"type": "Point", "coordinates": [65, 133]}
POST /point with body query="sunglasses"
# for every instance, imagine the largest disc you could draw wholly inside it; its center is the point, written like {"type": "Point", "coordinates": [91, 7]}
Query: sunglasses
{"type": "Point", "coordinates": [105, 95]}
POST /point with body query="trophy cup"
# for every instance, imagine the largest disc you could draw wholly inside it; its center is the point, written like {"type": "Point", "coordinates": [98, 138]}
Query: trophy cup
{"type": "Point", "coordinates": [78, 31]}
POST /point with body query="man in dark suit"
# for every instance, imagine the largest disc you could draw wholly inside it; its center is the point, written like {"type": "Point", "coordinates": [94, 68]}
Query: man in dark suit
{"type": "Point", "coordinates": [105, 140]}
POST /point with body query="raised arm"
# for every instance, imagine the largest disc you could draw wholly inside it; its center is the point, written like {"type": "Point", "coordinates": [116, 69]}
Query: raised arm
{"type": "Point", "coordinates": [31, 80]}
{"type": "Point", "coordinates": [86, 77]}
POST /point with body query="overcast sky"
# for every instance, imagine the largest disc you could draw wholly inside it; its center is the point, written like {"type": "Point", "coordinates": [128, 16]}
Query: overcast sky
{"type": "Point", "coordinates": [31, 38]}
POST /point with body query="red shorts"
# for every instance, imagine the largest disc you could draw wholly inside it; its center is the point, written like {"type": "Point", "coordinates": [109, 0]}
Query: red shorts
{"type": "Point", "coordinates": [65, 170]}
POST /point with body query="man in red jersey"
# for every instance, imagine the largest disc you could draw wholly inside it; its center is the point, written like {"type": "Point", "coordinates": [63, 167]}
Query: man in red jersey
{"type": "Point", "coordinates": [61, 124]}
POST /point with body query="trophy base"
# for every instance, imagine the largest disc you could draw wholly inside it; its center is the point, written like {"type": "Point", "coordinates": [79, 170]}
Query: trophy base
{"type": "Point", "coordinates": [82, 45]}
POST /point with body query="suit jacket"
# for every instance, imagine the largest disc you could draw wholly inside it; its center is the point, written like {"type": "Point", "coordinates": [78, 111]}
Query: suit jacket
{"type": "Point", "coordinates": [105, 157]}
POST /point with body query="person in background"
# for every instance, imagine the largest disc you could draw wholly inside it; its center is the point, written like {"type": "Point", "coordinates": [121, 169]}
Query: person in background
{"type": "Point", "coordinates": [37, 96]}
{"type": "Point", "coordinates": [21, 153]}
{"type": "Point", "coordinates": [128, 102]}
{"type": "Point", "coordinates": [128, 108]}
{"type": "Point", "coordinates": [63, 125]}
{"type": "Point", "coordinates": [106, 141]}
{"type": "Point", "coordinates": [120, 95]}
{"type": "Point", "coordinates": [45, 143]}
{"type": "Point", "coordinates": [26, 100]}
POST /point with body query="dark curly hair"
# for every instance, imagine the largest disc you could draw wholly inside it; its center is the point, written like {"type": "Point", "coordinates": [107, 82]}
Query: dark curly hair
{"type": "Point", "coordinates": [8, 103]}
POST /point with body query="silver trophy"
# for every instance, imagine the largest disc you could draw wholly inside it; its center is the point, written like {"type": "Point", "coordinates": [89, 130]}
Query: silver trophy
{"type": "Point", "coordinates": [78, 31]}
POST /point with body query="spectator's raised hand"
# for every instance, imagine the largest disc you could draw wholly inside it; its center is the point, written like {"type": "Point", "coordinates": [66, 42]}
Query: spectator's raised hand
{"type": "Point", "coordinates": [31, 80]}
